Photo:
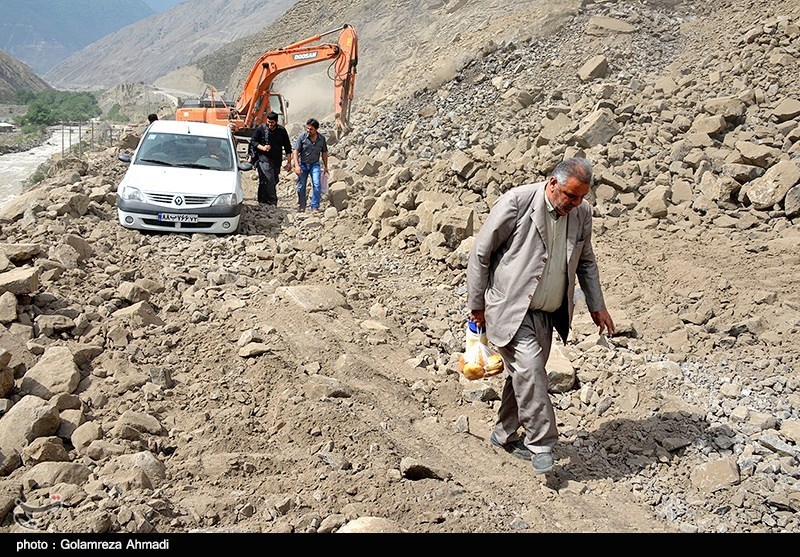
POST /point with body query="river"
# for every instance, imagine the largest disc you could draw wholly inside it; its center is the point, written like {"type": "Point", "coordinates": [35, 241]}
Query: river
{"type": "Point", "coordinates": [15, 168]}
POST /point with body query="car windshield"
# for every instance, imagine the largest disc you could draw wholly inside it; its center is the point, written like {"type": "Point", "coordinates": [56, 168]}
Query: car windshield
{"type": "Point", "coordinates": [193, 151]}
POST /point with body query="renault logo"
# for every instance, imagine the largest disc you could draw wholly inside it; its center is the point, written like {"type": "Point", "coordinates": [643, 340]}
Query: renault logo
{"type": "Point", "coordinates": [178, 200]}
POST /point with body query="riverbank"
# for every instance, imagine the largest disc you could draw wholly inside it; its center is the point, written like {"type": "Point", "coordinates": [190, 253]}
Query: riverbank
{"type": "Point", "coordinates": [17, 142]}
{"type": "Point", "coordinates": [18, 169]}
{"type": "Point", "coordinates": [23, 170]}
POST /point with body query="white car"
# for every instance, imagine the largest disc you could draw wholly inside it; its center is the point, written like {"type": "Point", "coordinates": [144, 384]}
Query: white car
{"type": "Point", "coordinates": [183, 177]}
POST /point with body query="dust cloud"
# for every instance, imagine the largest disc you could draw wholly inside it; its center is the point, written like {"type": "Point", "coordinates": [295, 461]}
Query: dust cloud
{"type": "Point", "coordinates": [309, 92]}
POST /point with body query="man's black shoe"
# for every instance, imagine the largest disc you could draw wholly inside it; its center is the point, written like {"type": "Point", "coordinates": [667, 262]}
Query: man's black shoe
{"type": "Point", "coordinates": [514, 448]}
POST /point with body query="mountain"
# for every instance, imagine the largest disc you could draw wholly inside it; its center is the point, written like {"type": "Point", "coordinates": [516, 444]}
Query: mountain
{"type": "Point", "coordinates": [150, 48]}
{"type": "Point", "coordinates": [42, 33]}
{"type": "Point", "coordinates": [17, 76]}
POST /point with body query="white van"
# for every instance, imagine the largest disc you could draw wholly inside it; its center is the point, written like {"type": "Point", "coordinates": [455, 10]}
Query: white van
{"type": "Point", "coordinates": [183, 177]}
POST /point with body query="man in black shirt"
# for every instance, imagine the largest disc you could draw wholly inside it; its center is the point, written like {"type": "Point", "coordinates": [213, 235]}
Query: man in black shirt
{"type": "Point", "coordinates": [265, 152]}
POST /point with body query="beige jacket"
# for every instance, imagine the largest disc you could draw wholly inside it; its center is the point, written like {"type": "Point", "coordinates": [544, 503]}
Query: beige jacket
{"type": "Point", "coordinates": [508, 257]}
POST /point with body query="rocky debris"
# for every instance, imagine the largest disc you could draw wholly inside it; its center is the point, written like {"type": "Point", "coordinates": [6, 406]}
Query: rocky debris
{"type": "Point", "coordinates": [301, 375]}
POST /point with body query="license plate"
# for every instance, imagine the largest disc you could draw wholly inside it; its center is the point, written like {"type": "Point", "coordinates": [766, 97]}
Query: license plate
{"type": "Point", "coordinates": [175, 217]}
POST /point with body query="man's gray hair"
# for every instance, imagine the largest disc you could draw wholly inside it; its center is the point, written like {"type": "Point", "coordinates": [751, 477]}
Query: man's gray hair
{"type": "Point", "coordinates": [574, 167]}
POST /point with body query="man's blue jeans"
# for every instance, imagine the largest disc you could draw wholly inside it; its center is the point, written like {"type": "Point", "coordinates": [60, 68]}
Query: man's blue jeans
{"type": "Point", "coordinates": [316, 185]}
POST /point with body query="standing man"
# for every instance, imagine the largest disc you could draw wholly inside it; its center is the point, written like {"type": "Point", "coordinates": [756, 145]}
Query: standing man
{"type": "Point", "coordinates": [520, 285]}
{"type": "Point", "coordinates": [266, 144]}
{"type": "Point", "coordinates": [308, 148]}
{"type": "Point", "coordinates": [150, 119]}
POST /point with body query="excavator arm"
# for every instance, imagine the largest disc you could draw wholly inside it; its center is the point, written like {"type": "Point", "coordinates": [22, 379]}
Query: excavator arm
{"type": "Point", "coordinates": [253, 103]}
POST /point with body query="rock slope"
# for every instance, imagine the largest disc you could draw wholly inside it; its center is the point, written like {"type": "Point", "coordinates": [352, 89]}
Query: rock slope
{"type": "Point", "coordinates": [301, 375]}
{"type": "Point", "coordinates": [17, 76]}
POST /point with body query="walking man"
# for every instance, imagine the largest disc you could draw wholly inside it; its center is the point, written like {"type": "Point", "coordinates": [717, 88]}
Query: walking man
{"type": "Point", "coordinates": [309, 147]}
{"type": "Point", "coordinates": [266, 144]}
{"type": "Point", "coordinates": [520, 284]}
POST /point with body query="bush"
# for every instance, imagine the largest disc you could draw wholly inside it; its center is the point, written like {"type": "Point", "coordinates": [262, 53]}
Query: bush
{"type": "Point", "coordinates": [32, 129]}
{"type": "Point", "coordinates": [114, 114]}
{"type": "Point", "coordinates": [39, 175]}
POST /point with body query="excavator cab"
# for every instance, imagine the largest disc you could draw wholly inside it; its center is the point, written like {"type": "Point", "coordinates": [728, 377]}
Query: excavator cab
{"type": "Point", "coordinates": [278, 105]}
{"type": "Point", "coordinates": [275, 103]}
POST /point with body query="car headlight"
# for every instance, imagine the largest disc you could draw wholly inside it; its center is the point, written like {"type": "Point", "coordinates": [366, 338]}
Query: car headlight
{"type": "Point", "coordinates": [228, 199]}
{"type": "Point", "coordinates": [129, 193]}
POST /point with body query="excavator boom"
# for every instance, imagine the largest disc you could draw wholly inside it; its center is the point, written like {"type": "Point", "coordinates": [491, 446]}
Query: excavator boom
{"type": "Point", "coordinates": [257, 99]}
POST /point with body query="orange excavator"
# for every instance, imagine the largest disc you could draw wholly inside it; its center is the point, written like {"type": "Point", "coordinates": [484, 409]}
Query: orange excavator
{"type": "Point", "coordinates": [257, 99]}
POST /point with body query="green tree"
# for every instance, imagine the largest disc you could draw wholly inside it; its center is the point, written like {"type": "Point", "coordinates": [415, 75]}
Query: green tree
{"type": "Point", "coordinates": [24, 96]}
{"type": "Point", "coordinates": [39, 113]}
{"type": "Point", "coordinates": [52, 107]}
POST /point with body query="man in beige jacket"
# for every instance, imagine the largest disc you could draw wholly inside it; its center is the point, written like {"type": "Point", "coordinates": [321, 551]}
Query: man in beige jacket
{"type": "Point", "coordinates": [520, 286]}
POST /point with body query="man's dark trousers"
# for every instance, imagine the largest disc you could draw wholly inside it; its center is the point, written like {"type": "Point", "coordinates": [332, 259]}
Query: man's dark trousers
{"type": "Point", "coordinates": [267, 181]}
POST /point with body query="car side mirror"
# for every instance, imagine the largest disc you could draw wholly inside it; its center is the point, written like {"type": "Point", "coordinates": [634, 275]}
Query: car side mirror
{"type": "Point", "coordinates": [124, 157]}
{"type": "Point", "coordinates": [245, 166]}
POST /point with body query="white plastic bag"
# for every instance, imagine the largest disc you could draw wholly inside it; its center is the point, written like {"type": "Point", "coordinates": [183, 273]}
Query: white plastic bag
{"type": "Point", "coordinates": [323, 180]}
{"type": "Point", "coordinates": [472, 361]}
{"type": "Point", "coordinates": [478, 360]}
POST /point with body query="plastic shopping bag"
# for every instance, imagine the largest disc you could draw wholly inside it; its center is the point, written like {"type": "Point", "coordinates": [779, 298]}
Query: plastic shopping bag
{"type": "Point", "coordinates": [324, 178]}
{"type": "Point", "coordinates": [479, 360]}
